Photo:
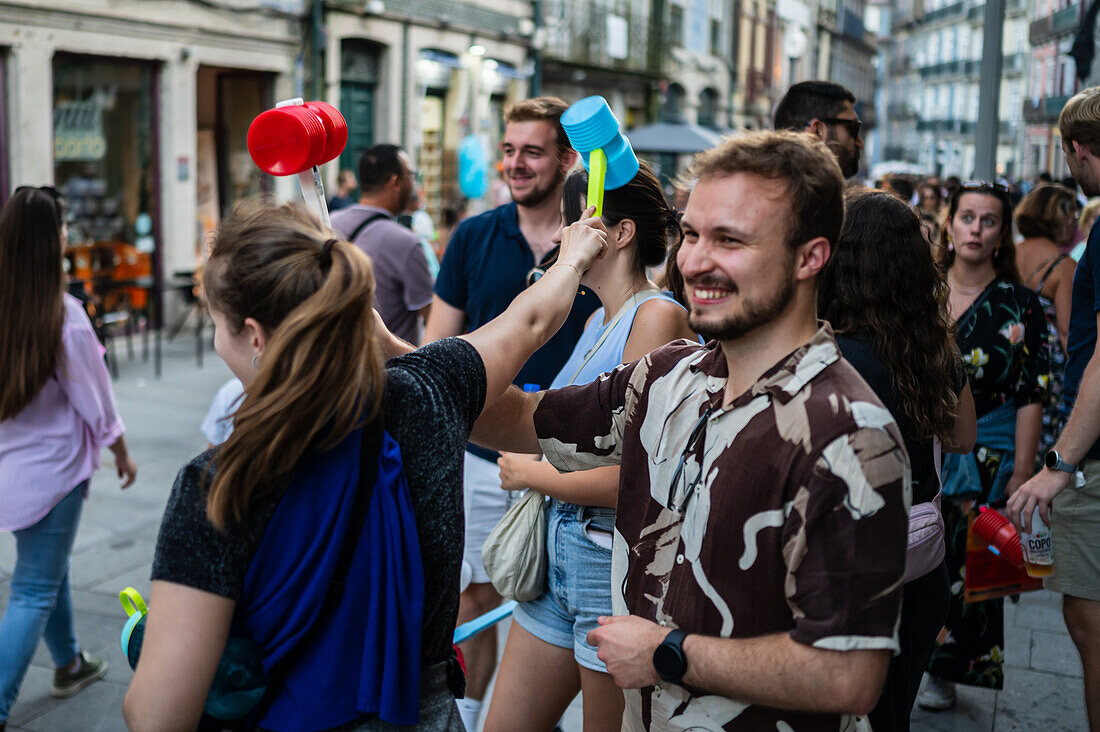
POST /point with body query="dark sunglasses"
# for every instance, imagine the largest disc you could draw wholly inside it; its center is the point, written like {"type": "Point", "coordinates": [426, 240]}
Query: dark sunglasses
{"type": "Point", "coordinates": [53, 192]}
{"type": "Point", "coordinates": [544, 264]}
{"type": "Point", "coordinates": [854, 125]}
{"type": "Point", "coordinates": [974, 186]}
{"type": "Point", "coordinates": [693, 440]}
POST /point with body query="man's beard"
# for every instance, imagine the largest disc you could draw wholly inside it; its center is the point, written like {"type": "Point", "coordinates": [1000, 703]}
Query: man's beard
{"type": "Point", "coordinates": [536, 195]}
{"type": "Point", "coordinates": [754, 313]}
{"type": "Point", "coordinates": [846, 157]}
{"type": "Point", "coordinates": [849, 161]}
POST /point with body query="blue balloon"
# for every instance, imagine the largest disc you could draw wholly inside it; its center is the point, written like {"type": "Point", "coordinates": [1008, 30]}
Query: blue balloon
{"type": "Point", "coordinates": [473, 168]}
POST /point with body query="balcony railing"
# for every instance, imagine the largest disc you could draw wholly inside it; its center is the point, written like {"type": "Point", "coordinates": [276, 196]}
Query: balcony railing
{"type": "Point", "coordinates": [852, 25]}
{"type": "Point", "coordinates": [960, 126]}
{"type": "Point", "coordinates": [901, 110]}
{"type": "Point", "coordinates": [951, 12]}
{"type": "Point", "coordinates": [1065, 20]}
{"type": "Point", "coordinates": [1046, 110]}
{"type": "Point", "coordinates": [1062, 23]}
{"type": "Point", "coordinates": [976, 14]}
{"type": "Point", "coordinates": [943, 70]}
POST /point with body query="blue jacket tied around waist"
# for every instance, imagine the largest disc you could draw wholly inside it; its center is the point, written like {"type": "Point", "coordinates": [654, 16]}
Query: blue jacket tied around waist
{"type": "Point", "coordinates": [334, 657]}
{"type": "Point", "coordinates": [996, 430]}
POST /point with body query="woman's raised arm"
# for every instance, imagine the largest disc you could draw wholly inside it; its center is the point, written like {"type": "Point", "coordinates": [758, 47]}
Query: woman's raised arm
{"type": "Point", "coordinates": [508, 340]}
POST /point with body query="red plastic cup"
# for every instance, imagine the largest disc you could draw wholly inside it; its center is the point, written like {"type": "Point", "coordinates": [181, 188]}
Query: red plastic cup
{"type": "Point", "coordinates": [292, 139]}
{"type": "Point", "coordinates": [999, 533]}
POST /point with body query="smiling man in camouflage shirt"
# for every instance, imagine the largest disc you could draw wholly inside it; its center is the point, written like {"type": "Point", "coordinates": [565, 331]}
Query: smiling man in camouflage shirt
{"type": "Point", "coordinates": [764, 489]}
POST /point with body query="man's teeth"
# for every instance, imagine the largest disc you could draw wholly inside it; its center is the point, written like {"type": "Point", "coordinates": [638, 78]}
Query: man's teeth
{"type": "Point", "coordinates": [710, 294]}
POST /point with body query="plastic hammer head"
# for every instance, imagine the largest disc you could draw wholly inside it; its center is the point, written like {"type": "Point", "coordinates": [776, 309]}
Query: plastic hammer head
{"type": "Point", "coordinates": [591, 125]}
{"type": "Point", "coordinates": [294, 138]}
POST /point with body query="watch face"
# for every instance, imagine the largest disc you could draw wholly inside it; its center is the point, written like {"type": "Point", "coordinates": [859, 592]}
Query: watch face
{"type": "Point", "coordinates": [1052, 459]}
{"type": "Point", "coordinates": [669, 662]}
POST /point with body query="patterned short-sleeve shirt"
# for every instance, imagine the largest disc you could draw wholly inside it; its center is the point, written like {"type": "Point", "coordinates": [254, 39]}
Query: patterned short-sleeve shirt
{"type": "Point", "coordinates": [789, 510]}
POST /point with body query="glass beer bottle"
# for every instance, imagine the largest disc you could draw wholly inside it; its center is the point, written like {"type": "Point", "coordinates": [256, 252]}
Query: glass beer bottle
{"type": "Point", "coordinates": [1038, 548]}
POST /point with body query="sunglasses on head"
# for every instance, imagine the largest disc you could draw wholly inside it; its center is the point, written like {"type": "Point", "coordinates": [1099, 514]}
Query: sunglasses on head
{"type": "Point", "coordinates": [854, 125]}
{"type": "Point", "coordinates": [977, 186]}
{"type": "Point", "coordinates": [53, 192]}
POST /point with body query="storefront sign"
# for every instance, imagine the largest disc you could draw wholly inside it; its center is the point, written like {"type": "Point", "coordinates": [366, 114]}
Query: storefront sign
{"type": "Point", "coordinates": [78, 130]}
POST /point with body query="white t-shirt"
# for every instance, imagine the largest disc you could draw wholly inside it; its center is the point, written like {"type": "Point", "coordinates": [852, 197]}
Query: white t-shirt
{"type": "Point", "coordinates": [218, 423]}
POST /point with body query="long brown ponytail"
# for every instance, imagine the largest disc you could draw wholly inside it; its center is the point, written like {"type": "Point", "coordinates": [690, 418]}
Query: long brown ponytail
{"type": "Point", "coordinates": [320, 375]}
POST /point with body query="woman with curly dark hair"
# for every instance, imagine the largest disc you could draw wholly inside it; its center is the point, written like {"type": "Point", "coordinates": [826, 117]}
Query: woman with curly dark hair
{"type": "Point", "coordinates": [887, 302]}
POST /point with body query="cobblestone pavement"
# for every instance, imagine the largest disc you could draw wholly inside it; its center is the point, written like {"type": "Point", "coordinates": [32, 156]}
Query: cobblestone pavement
{"type": "Point", "coordinates": [114, 549]}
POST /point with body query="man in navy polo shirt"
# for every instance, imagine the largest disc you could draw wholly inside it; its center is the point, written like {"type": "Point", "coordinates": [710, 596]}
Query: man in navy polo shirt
{"type": "Point", "coordinates": [1067, 489]}
{"type": "Point", "coordinates": [486, 265]}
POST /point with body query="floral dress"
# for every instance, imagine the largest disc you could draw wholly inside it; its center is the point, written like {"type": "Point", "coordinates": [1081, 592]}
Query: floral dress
{"type": "Point", "coordinates": [1003, 341]}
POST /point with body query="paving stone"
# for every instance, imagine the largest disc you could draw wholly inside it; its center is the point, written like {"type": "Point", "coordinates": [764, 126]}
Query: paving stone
{"type": "Point", "coordinates": [34, 698]}
{"type": "Point", "coordinates": [108, 560]}
{"type": "Point", "coordinates": [1017, 646]}
{"type": "Point", "coordinates": [1055, 653]}
{"type": "Point", "coordinates": [1040, 611]}
{"type": "Point", "coordinates": [138, 578]}
{"type": "Point", "coordinates": [96, 709]}
{"type": "Point", "coordinates": [7, 552]}
{"type": "Point", "coordinates": [1033, 700]}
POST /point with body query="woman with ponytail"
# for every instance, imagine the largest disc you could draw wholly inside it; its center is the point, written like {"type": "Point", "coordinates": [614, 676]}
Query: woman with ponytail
{"type": "Point", "coordinates": [547, 647]}
{"type": "Point", "coordinates": [328, 528]}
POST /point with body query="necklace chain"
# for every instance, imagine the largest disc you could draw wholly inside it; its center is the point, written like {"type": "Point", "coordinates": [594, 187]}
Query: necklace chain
{"type": "Point", "coordinates": [956, 288]}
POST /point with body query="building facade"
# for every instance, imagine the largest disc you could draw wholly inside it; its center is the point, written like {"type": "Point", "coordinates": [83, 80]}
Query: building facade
{"type": "Point", "coordinates": [433, 77]}
{"type": "Point", "coordinates": [933, 80]}
{"type": "Point", "coordinates": [1051, 81]}
{"type": "Point", "coordinates": [139, 117]}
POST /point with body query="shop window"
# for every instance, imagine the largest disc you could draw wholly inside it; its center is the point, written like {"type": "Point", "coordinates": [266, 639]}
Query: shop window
{"type": "Point", "coordinates": [227, 102]}
{"type": "Point", "coordinates": [431, 153]}
{"type": "Point", "coordinates": [360, 61]}
{"type": "Point", "coordinates": [104, 164]}
{"type": "Point", "coordinates": [441, 130]}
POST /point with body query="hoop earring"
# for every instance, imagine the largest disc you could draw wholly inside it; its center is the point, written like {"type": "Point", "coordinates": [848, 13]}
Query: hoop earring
{"type": "Point", "coordinates": [255, 356]}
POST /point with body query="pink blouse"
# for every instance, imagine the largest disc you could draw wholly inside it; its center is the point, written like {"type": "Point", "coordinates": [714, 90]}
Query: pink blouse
{"type": "Point", "coordinates": [54, 443]}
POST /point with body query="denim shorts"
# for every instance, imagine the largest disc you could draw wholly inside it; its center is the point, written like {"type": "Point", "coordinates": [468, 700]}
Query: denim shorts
{"type": "Point", "coordinates": [578, 579]}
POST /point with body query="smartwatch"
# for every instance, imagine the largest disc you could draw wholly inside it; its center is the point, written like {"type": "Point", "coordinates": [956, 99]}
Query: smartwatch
{"type": "Point", "coordinates": [669, 658]}
{"type": "Point", "coordinates": [1054, 461]}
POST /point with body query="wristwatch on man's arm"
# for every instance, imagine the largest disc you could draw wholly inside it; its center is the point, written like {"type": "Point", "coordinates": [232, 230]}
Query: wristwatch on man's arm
{"type": "Point", "coordinates": [669, 658]}
{"type": "Point", "coordinates": [1054, 461]}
